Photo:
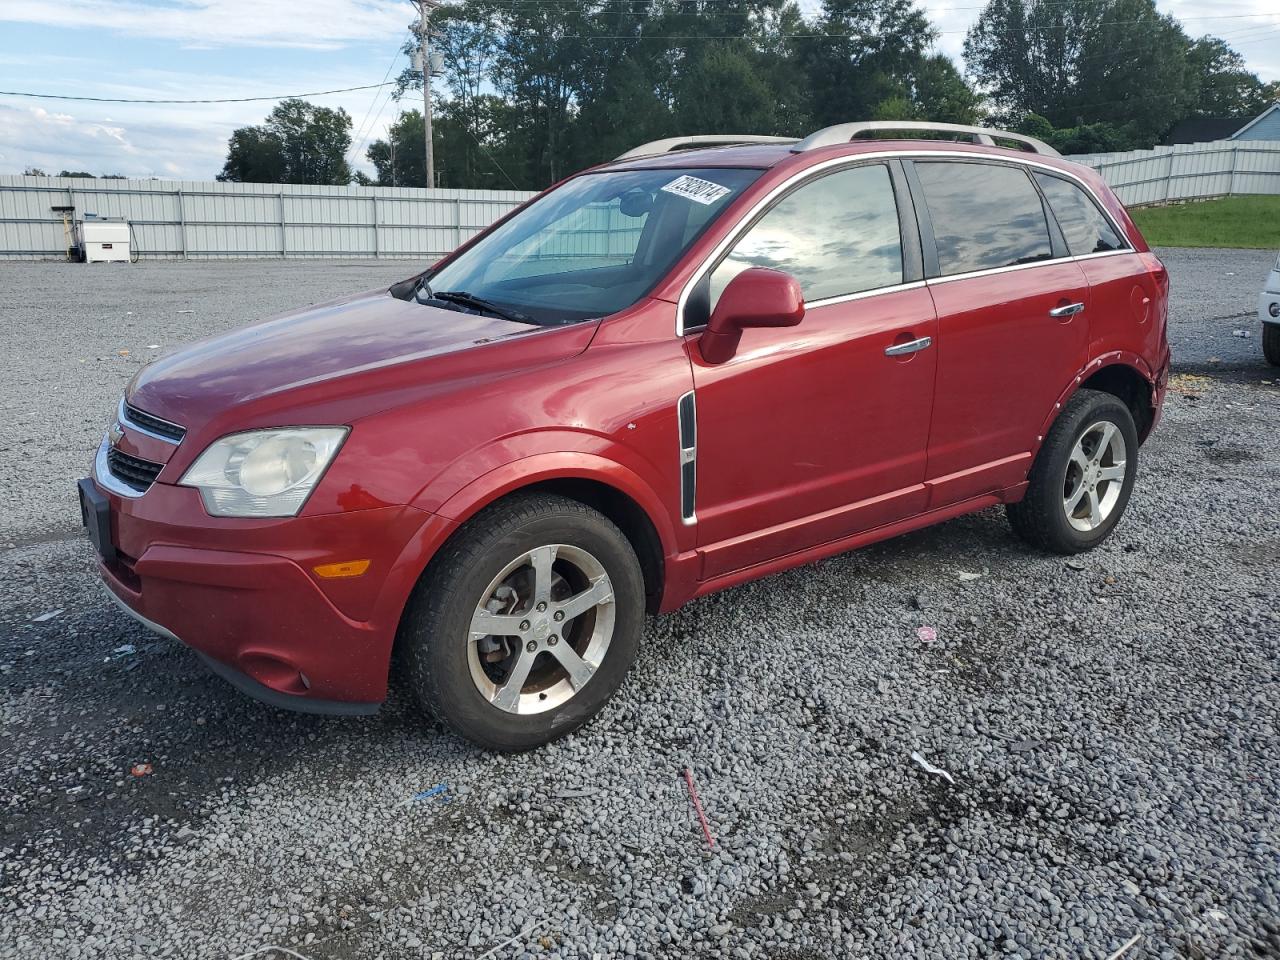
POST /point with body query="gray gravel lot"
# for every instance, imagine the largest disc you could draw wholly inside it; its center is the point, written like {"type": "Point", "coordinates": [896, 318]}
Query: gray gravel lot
{"type": "Point", "coordinates": [1112, 722]}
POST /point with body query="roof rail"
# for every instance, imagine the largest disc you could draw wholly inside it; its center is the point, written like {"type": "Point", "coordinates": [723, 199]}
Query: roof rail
{"type": "Point", "coordinates": [674, 144]}
{"type": "Point", "coordinates": [844, 132]}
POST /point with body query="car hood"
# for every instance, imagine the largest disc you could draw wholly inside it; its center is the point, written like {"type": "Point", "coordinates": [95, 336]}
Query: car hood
{"type": "Point", "coordinates": [317, 351]}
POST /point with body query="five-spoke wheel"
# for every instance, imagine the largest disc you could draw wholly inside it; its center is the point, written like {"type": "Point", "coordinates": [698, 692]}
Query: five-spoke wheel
{"type": "Point", "coordinates": [1083, 473]}
{"type": "Point", "coordinates": [542, 629]}
{"type": "Point", "coordinates": [526, 622]}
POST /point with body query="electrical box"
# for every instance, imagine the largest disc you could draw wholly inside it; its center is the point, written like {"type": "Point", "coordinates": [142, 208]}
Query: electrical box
{"type": "Point", "coordinates": [104, 241]}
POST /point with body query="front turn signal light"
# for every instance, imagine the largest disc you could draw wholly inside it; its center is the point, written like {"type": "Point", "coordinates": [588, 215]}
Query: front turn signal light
{"type": "Point", "coordinates": [348, 568]}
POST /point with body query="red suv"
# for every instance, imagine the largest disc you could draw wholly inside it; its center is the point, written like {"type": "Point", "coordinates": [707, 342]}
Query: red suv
{"type": "Point", "coordinates": [707, 361]}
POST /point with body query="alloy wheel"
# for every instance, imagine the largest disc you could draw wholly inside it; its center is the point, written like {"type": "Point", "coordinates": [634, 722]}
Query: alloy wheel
{"type": "Point", "coordinates": [1095, 476]}
{"type": "Point", "coordinates": [541, 629]}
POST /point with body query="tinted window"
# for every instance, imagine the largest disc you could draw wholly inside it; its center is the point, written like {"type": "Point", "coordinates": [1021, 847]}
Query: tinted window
{"type": "Point", "coordinates": [1082, 223]}
{"type": "Point", "coordinates": [836, 235]}
{"type": "Point", "coordinates": [984, 216]}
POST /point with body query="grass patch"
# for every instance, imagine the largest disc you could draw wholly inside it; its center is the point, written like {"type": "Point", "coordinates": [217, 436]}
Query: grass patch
{"type": "Point", "coordinates": [1248, 222]}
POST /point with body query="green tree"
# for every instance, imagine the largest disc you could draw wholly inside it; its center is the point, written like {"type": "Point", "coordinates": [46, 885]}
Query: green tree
{"type": "Point", "coordinates": [1080, 62]}
{"type": "Point", "coordinates": [83, 174]}
{"type": "Point", "coordinates": [1225, 87]}
{"type": "Point", "coordinates": [869, 54]}
{"type": "Point", "coordinates": [298, 143]}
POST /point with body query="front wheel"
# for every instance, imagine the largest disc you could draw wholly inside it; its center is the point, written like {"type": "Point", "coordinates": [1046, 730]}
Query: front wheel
{"type": "Point", "coordinates": [1080, 482]}
{"type": "Point", "coordinates": [1271, 343]}
{"type": "Point", "coordinates": [526, 623]}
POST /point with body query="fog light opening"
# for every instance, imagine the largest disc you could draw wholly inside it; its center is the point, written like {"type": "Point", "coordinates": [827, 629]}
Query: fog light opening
{"type": "Point", "coordinates": [274, 672]}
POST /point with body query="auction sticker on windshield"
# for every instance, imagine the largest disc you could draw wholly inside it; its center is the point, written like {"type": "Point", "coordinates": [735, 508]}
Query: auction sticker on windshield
{"type": "Point", "coordinates": [699, 191]}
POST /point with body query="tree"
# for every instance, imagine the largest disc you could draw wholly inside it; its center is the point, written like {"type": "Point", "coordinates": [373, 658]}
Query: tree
{"type": "Point", "coordinates": [867, 53]}
{"type": "Point", "coordinates": [34, 172]}
{"type": "Point", "coordinates": [83, 174]}
{"type": "Point", "coordinates": [1225, 87]}
{"type": "Point", "coordinates": [298, 143]}
{"type": "Point", "coordinates": [1119, 63]}
{"type": "Point", "coordinates": [399, 160]}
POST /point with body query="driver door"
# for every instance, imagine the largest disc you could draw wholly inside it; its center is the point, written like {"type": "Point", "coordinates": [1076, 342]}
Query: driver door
{"type": "Point", "coordinates": [812, 433]}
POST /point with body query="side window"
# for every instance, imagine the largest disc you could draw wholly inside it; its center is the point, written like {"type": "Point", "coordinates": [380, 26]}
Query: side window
{"type": "Point", "coordinates": [1082, 223]}
{"type": "Point", "coordinates": [837, 235]}
{"type": "Point", "coordinates": [984, 216]}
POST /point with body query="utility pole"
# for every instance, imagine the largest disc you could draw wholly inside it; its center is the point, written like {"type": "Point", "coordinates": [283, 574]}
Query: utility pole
{"type": "Point", "coordinates": [424, 50]}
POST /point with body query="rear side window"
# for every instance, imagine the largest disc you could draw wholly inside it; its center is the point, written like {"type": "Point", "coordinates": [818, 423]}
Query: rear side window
{"type": "Point", "coordinates": [984, 216]}
{"type": "Point", "coordinates": [1084, 226]}
{"type": "Point", "coordinates": [837, 235]}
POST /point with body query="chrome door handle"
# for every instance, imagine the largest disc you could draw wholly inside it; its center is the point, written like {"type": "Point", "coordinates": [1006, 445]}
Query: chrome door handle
{"type": "Point", "coordinates": [1070, 310]}
{"type": "Point", "coordinates": [911, 346]}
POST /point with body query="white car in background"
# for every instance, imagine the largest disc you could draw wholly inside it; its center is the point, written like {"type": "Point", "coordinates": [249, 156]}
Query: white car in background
{"type": "Point", "coordinates": [1269, 314]}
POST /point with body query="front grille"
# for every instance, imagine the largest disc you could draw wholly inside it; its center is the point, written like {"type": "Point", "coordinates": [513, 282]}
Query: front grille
{"type": "Point", "coordinates": [133, 472]}
{"type": "Point", "coordinates": [170, 431]}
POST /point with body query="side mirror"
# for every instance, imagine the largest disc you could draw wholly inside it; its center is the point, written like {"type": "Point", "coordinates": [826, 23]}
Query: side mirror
{"type": "Point", "coordinates": [757, 297]}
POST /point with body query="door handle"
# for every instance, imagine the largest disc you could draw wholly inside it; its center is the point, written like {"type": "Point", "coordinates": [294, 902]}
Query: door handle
{"type": "Point", "coordinates": [911, 346]}
{"type": "Point", "coordinates": [1070, 310]}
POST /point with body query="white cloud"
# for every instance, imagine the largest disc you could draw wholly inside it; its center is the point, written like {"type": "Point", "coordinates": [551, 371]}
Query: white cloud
{"type": "Point", "coordinates": [319, 24]}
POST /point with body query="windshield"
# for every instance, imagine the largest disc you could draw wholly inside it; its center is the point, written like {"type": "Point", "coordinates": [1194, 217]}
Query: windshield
{"type": "Point", "coordinates": [589, 248]}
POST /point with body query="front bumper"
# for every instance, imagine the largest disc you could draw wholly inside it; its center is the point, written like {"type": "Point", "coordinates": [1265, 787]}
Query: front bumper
{"type": "Point", "coordinates": [243, 593]}
{"type": "Point", "coordinates": [1269, 303]}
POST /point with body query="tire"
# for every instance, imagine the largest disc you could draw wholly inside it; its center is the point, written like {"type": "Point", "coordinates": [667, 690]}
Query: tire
{"type": "Point", "coordinates": [1065, 470]}
{"type": "Point", "coordinates": [522, 689]}
{"type": "Point", "coordinates": [1271, 343]}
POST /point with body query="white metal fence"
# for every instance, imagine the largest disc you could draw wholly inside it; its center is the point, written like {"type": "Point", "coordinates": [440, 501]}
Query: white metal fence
{"type": "Point", "coordinates": [1189, 171]}
{"type": "Point", "coordinates": [199, 220]}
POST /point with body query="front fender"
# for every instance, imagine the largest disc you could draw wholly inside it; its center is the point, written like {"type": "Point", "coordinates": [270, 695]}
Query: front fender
{"type": "Point", "coordinates": [487, 482]}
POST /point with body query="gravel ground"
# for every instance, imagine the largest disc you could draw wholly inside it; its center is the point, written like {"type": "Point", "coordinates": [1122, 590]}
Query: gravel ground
{"type": "Point", "coordinates": [1111, 722]}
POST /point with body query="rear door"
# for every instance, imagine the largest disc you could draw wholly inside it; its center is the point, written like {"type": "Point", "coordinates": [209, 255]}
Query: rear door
{"type": "Point", "coordinates": [1013, 321]}
{"type": "Point", "coordinates": [1125, 308]}
{"type": "Point", "coordinates": [812, 433]}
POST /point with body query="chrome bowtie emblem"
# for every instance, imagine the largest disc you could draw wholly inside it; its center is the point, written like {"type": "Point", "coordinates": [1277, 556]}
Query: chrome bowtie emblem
{"type": "Point", "coordinates": [116, 433]}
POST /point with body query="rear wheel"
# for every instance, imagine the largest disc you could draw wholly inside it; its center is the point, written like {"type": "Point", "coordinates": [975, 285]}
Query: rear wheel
{"type": "Point", "coordinates": [526, 623]}
{"type": "Point", "coordinates": [1271, 343]}
{"type": "Point", "coordinates": [1080, 482]}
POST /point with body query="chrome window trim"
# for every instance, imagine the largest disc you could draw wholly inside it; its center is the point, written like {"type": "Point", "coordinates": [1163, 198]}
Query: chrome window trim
{"type": "Point", "coordinates": [1022, 266]}
{"type": "Point", "coordinates": [864, 294]}
{"type": "Point", "coordinates": [744, 222]}
{"type": "Point", "coordinates": [102, 473]}
{"type": "Point", "coordinates": [124, 418]}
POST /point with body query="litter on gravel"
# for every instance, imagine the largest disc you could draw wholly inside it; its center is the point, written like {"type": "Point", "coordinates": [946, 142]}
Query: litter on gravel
{"type": "Point", "coordinates": [141, 769]}
{"type": "Point", "coordinates": [46, 616]}
{"type": "Point", "coordinates": [927, 634]}
{"type": "Point", "coordinates": [437, 791]}
{"type": "Point", "coordinates": [965, 576]}
{"type": "Point", "coordinates": [697, 806]}
{"type": "Point", "coordinates": [930, 768]}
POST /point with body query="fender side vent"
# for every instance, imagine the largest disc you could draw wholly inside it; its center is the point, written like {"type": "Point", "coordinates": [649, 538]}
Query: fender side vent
{"type": "Point", "coordinates": [688, 418]}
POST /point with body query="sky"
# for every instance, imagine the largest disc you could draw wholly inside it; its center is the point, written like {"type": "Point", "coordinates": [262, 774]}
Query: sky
{"type": "Point", "coordinates": [204, 49]}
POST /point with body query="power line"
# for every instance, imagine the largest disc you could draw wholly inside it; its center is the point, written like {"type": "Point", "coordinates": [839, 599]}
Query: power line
{"type": "Point", "coordinates": [358, 140]}
{"type": "Point", "coordinates": [283, 96]}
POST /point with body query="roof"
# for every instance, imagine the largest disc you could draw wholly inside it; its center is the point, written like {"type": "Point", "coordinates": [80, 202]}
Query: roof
{"type": "Point", "coordinates": [1274, 108]}
{"type": "Point", "coordinates": [1205, 129]}
{"type": "Point", "coordinates": [764, 156]}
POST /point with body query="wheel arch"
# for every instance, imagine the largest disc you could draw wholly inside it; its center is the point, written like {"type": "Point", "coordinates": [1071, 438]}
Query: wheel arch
{"type": "Point", "coordinates": [1125, 376]}
{"type": "Point", "coordinates": [605, 486]}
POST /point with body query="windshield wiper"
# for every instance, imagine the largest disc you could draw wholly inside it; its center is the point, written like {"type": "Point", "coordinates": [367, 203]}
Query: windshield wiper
{"type": "Point", "coordinates": [464, 299]}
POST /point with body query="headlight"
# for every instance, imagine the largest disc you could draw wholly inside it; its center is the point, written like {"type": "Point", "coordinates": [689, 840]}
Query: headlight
{"type": "Point", "coordinates": [263, 473]}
